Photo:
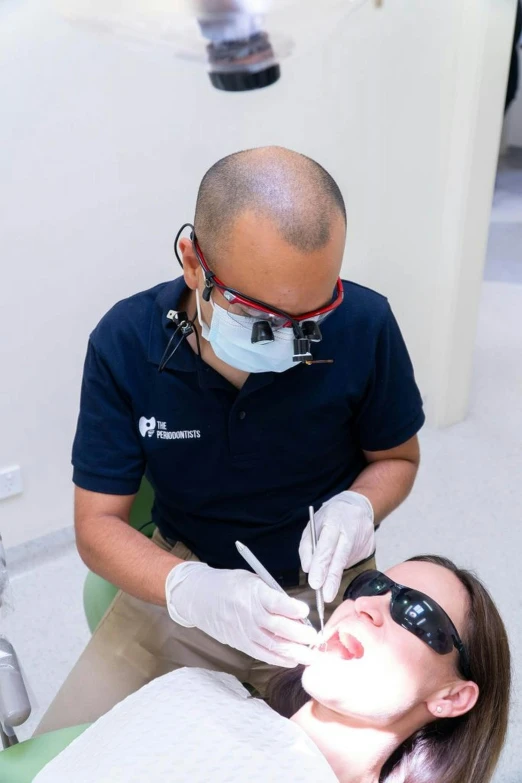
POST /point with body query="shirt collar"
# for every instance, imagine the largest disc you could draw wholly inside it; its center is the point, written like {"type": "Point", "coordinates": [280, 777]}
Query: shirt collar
{"type": "Point", "coordinates": [162, 329]}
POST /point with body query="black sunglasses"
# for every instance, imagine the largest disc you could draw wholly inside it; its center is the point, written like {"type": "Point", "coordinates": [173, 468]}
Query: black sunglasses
{"type": "Point", "coordinates": [414, 611]}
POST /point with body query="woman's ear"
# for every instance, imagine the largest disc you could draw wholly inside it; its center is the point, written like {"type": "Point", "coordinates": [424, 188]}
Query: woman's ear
{"type": "Point", "coordinates": [190, 262]}
{"type": "Point", "coordinates": [454, 701]}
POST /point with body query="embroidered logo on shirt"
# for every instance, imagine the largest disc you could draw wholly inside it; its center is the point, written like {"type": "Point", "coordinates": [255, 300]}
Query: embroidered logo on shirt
{"type": "Point", "coordinates": [150, 426]}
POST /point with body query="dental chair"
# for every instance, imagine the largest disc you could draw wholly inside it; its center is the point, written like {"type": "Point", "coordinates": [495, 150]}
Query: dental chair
{"type": "Point", "coordinates": [20, 762]}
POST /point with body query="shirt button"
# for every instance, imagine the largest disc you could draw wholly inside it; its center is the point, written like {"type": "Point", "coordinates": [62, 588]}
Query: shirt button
{"type": "Point", "coordinates": [242, 415]}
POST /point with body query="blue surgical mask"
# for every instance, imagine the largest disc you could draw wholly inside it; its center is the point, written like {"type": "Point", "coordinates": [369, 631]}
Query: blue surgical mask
{"type": "Point", "coordinates": [230, 338]}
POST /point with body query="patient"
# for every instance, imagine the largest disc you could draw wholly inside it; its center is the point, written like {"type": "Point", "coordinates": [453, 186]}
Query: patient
{"type": "Point", "coordinates": [400, 693]}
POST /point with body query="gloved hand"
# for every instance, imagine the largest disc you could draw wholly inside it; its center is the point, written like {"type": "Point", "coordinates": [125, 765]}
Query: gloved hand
{"type": "Point", "coordinates": [345, 536]}
{"type": "Point", "coordinates": [237, 608]}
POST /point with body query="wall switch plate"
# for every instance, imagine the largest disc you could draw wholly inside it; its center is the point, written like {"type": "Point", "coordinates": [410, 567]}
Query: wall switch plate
{"type": "Point", "coordinates": [10, 481]}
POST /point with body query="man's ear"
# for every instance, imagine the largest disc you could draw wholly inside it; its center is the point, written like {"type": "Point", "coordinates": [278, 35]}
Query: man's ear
{"type": "Point", "coordinates": [190, 261]}
{"type": "Point", "coordinates": [457, 700]}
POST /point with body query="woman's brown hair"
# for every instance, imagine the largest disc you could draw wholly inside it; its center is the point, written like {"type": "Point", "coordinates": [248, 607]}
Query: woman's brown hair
{"type": "Point", "coordinates": [457, 750]}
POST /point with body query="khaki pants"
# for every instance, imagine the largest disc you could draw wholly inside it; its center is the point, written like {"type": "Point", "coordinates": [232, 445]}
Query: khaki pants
{"type": "Point", "coordinates": [136, 642]}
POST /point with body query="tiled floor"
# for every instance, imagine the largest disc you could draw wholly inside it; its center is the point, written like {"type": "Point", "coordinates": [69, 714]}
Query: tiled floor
{"type": "Point", "coordinates": [48, 627]}
{"type": "Point", "coordinates": [467, 502]}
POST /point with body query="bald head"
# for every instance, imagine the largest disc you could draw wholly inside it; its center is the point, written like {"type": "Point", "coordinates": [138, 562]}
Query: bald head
{"type": "Point", "coordinates": [299, 198]}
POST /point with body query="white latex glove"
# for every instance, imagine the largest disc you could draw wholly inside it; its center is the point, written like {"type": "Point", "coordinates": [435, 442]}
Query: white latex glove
{"type": "Point", "coordinates": [345, 536]}
{"type": "Point", "coordinates": [237, 608]}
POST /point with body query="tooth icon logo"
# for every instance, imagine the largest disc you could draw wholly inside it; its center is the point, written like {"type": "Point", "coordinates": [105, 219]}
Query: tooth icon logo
{"type": "Point", "coordinates": [147, 426]}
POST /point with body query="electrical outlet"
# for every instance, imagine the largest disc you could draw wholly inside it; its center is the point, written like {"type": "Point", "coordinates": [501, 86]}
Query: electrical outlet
{"type": "Point", "coordinates": [10, 481]}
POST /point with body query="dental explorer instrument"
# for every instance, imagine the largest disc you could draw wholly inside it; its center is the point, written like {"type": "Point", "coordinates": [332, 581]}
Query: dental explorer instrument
{"type": "Point", "coordinates": [319, 600]}
{"type": "Point", "coordinates": [261, 571]}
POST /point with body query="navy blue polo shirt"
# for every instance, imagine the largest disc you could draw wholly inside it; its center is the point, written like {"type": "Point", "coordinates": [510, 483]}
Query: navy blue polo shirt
{"type": "Point", "coordinates": [228, 464]}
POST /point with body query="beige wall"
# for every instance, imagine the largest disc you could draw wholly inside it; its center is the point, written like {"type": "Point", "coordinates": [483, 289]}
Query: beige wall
{"type": "Point", "coordinates": [103, 146]}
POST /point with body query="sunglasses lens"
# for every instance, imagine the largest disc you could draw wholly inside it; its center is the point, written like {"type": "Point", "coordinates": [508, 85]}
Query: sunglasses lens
{"type": "Point", "coordinates": [318, 319]}
{"type": "Point", "coordinates": [367, 583]}
{"type": "Point", "coordinates": [246, 315]}
{"type": "Point", "coordinates": [414, 612]}
{"type": "Point", "coordinates": [245, 312]}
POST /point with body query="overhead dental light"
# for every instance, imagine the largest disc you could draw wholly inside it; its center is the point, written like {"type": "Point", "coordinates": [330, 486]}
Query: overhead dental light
{"type": "Point", "coordinates": [242, 42]}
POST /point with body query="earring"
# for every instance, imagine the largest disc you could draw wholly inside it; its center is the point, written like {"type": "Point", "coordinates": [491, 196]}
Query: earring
{"type": "Point", "coordinates": [439, 709]}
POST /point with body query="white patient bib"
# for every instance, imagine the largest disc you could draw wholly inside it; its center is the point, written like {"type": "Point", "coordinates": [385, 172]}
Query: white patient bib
{"type": "Point", "coordinates": [190, 726]}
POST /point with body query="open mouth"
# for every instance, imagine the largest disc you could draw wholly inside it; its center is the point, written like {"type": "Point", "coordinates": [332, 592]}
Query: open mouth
{"type": "Point", "coordinates": [344, 645]}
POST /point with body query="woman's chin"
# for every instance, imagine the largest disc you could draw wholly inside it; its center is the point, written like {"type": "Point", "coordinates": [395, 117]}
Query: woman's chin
{"type": "Point", "coordinates": [330, 672]}
{"type": "Point", "coordinates": [370, 687]}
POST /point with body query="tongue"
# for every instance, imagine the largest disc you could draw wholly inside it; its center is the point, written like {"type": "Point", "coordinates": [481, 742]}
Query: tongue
{"type": "Point", "coordinates": [352, 644]}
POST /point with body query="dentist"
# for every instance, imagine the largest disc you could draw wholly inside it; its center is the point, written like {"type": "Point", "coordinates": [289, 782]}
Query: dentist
{"type": "Point", "coordinates": [253, 386]}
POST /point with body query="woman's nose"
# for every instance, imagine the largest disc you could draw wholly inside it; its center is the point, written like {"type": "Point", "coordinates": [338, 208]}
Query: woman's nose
{"type": "Point", "coordinates": [370, 608]}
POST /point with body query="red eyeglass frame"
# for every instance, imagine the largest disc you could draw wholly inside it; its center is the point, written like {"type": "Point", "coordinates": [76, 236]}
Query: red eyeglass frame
{"type": "Point", "coordinates": [239, 298]}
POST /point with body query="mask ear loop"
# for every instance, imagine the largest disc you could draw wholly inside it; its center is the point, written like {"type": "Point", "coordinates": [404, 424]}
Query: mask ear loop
{"type": "Point", "coordinates": [198, 344]}
{"type": "Point", "coordinates": [198, 309]}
